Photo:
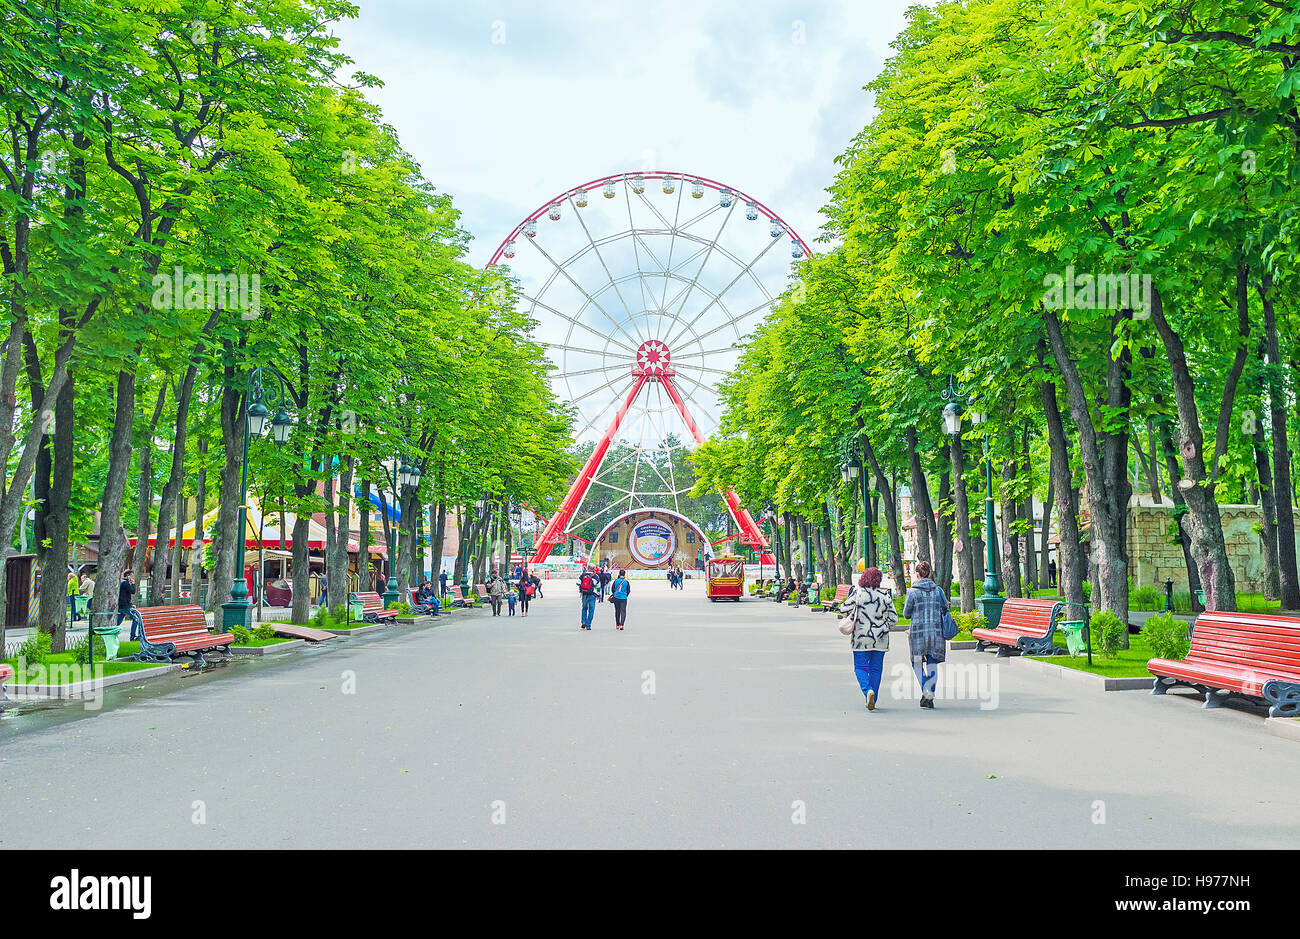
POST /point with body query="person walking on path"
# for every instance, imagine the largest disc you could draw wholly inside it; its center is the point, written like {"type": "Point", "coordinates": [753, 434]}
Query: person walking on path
{"type": "Point", "coordinates": [537, 585]}
{"type": "Point", "coordinates": [496, 592]}
{"type": "Point", "coordinates": [526, 589]}
{"type": "Point", "coordinates": [925, 606]}
{"type": "Point", "coordinates": [587, 588]}
{"type": "Point", "coordinates": [512, 598]}
{"type": "Point", "coordinates": [125, 591]}
{"type": "Point", "coordinates": [442, 585]}
{"type": "Point", "coordinates": [73, 586]}
{"type": "Point", "coordinates": [618, 593]}
{"type": "Point", "coordinates": [874, 615]}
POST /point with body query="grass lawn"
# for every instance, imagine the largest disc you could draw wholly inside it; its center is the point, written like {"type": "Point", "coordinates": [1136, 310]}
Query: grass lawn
{"type": "Point", "coordinates": [63, 659]}
{"type": "Point", "coordinates": [1128, 663]}
{"type": "Point", "coordinates": [256, 643]}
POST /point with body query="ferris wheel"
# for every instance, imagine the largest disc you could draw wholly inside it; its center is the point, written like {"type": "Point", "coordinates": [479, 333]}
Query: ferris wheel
{"type": "Point", "coordinates": [644, 287]}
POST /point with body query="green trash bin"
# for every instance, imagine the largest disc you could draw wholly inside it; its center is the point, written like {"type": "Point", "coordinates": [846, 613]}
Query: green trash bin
{"type": "Point", "coordinates": [1073, 630]}
{"type": "Point", "coordinates": [358, 609]}
{"type": "Point", "coordinates": [1200, 598]}
{"type": "Point", "coordinates": [112, 639]}
{"type": "Point", "coordinates": [81, 604]}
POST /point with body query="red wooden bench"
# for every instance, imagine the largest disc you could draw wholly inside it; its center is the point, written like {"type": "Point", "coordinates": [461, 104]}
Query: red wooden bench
{"type": "Point", "coordinates": [1247, 655]}
{"type": "Point", "coordinates": [6, 673]}
{"type": "Point", "coordinates": [841, 594]}
{"type": "Point", "coordinates": [460, 598]}
{"type": "Point", "coordinates": [373, 606]}
{"type": "Point", "coordinates": [170, 631]}
{"type": "Point", "coordinates": [1026, 627]}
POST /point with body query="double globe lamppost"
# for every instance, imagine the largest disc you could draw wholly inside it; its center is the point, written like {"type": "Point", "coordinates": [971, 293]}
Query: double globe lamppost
{"type": "Point", "coordinates": [958, 400]}
{"type": "Point", "coordinates": [266, 390]}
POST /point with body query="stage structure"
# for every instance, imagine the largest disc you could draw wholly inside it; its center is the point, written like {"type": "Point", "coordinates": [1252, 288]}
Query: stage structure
{"type": "Point", "coordinates": [644, 287]}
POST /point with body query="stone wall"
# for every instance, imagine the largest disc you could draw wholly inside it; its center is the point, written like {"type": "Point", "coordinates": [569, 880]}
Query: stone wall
{"type": "Point", "coordinates": [1154, 556]}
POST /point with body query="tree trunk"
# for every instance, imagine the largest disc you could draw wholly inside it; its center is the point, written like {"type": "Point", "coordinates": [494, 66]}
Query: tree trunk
{"type": "Point", "coordinates": [175, 485]}
{"type": "Point", "coordinates": [197, 552]}
{"type": "Point", "coordinates": [922, 513]}
{"type": "Point", "coordinates": [143, 527]}
{"type": "Point", "coordinates": [112, 534]}
{"type": "Point", "coordinates": [58, 518]}
{"type": "Point", "coordinates": [227, 542]}
{"type": "Point", "coordinates": [1070, 564]}
{"type": "Point", "coordinates": [1284, 506]}
{"type": "Point", "coordinates": [943, 526]}
{"type": "Point", "coordinates": [178, 549]}
{"type": "Point", "coordinates": [1104, 468]}
{"type": "Point", "coordinates": [1027, 514]}
{"type": "Point", "coordinates": [1010, 537]}
{"type": "Point", "coordinates": [1268, 509]}
{"type": "Point", "coordinates": [1208, 548]}
{"type": "Point", "coordinates": [337, 563]}
{"type": "Point", "coordinates": [889, 494]}
{"type": "Point", "coordinates": [301, 562]}
{"type": "Point", "coordinates": [365, 581]}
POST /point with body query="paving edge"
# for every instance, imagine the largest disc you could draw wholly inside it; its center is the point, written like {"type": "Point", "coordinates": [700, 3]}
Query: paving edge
{"type": "Point", "coordinates": [427, 620]}
{"type": "Point", "coordinates": [1287, 727]}
{"type": "Point", "coordinates": [273, 649]}
{"type": "Point", "coordinates": [78, 689]}
{"type": "Point", "coordinates": [1096, 682]}
{"type": "Point", "coordinates": [358, 631]}
{"type": "Point", "coordinates": [963, 645]}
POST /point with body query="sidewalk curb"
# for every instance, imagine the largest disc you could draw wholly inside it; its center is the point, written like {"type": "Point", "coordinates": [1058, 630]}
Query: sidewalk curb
{"type": "Point", "coordinates": [79, 689]}
{"type": "Point", "coordinates": [1096, 682]}
{"type": "Point", "coordinates": [1287, 727]}
{"type": "Point", "coordinates": [274, 649]}
{"type": "Point", "coordinates": [358, 631]}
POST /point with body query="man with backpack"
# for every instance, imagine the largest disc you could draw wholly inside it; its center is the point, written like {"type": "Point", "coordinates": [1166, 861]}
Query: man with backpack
{"type": "Point", "coordinates": [587, 588]}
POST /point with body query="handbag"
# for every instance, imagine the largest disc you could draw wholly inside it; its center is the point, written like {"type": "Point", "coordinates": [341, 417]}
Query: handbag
{"type": "Point", "coordinates": [949, 626]}
{"type": "Point", "coordinates": [847, 623]}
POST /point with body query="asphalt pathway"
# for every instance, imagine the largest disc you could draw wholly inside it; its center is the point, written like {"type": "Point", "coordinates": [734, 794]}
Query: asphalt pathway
{"type": "Point", "coordinates": [702, 725]}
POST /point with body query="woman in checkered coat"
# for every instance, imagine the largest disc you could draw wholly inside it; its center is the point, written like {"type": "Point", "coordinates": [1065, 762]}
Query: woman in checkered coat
{"type": "Point", "coordinates": [925, 607]}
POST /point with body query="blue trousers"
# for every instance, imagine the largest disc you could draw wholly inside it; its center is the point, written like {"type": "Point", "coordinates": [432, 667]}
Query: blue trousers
{"type": "Point", "coordinates": [927, 674]}
{"type": "Point", "coordinates": [126, 614]}
{"type": "Point", "coordinates": [588, 608]}
{"type": "Point", "coordinates": [869, 666]}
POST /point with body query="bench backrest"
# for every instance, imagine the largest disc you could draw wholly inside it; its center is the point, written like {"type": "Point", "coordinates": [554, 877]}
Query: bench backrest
{"type": "Point", "coordinates": [370, 601]}
{"type": "Point", "coordinates": [842, 592]}
{"type": "Point", "coordinates": [170, 623]}
{"type": "Point", "coordinates": [1023, 613]}
{"type": "Point", "coordinates": [460, 593]}
{"type": "Point", "coordinates": [1252, 639]}
{"type": "Point", "coordinates": [481, 590]}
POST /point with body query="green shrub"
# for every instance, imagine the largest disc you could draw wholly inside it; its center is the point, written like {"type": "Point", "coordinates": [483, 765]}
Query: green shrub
{"type": "Point", "coordinates": [36, 648]}
{"type": "Point", "coordinates": [1166, 636]}
{"type": "Point", "coordinates": [968, 622]}
{"type": "Point", "coordinates": [241, 634]}
{"type": "Point", "coordinates": [81, 650]}
{"type": "Point", "coordinates": [1146, 597]}
{"type": "Point", "coordinates": [403, 609]}
{"type": "Point", "coordinates": [264, 632]}
{"type": "Point", "coordinates": [1108, 633]}
{"type": "Point", "coordinates": [330, 619]}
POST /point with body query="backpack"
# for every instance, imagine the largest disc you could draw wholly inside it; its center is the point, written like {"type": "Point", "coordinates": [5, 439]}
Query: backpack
{"type": "Point", "coordinates": [585, 584]}
{"type": "Point", "coordinates": [528, 590]}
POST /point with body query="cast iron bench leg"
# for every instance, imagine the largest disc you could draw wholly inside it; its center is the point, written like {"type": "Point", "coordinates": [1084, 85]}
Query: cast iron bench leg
{"type": "Point", "coordinates": [1284, 696]}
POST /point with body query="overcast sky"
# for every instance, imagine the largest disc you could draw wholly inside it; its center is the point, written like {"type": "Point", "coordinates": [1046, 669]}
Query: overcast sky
{"type": "Point", "coordinates": [506, 104]}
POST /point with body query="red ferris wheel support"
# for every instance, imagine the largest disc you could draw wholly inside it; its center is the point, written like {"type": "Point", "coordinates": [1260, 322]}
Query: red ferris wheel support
{"type": "Point", "coordinates": [654, 364]}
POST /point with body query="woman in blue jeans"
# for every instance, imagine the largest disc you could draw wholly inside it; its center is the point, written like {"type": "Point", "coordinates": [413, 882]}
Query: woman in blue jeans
{"type": "Point", "coordinates": [874, 615]}
{"type": "Point", "coordinates": [925, 607]}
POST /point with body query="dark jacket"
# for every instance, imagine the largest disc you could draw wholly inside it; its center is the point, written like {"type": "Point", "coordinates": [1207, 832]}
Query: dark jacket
{"type": "Point", "coordinates": [124, 591]}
